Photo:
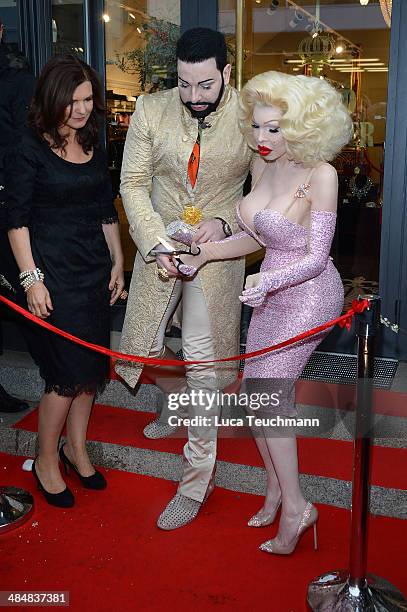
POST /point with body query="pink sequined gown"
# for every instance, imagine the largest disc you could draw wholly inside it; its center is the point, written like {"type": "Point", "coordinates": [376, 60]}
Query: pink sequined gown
{"type": "Point", "coordinates": [296, 306]}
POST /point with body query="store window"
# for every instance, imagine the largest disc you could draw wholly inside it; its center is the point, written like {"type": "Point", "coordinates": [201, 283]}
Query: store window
{"type": "Point", "coordinates": [140, 40]}
{"type": "Point", "coordinates": [346, 42]}
{"type": "Point", "coordinates": [9, 20]}
{"type": "Point", "coordinates": [67, 27]}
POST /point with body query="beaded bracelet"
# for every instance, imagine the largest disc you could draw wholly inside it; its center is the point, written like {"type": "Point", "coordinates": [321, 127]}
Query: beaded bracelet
{"type": "Point", "coordinates": [28, 278]}
{"type": "Point", "coordinates": [29, 273]}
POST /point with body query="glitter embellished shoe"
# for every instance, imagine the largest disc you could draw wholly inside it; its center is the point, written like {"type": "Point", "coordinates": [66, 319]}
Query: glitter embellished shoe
{"type": "Point", "coordinates": [156, 430]}
{"type": "Point", "coordinates": [263, 519]}
{"type": "Point", "coordinates": [182, 510]}
{"type": "Point", "coordinates": [309, 519]}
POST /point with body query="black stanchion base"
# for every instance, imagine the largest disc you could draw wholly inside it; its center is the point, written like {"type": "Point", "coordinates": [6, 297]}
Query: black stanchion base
{"type": "Point", "coordinates": [331, 592]}
{"type": "Point", "coordinates": [16, 507]}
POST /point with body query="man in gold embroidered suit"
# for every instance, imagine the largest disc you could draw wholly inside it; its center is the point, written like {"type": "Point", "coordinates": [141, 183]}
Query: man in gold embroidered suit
{"type": "Point", "coordinates": [186, 159]}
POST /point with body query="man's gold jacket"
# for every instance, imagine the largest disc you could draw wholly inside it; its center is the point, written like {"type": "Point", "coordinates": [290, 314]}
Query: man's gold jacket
{"type": "Point", "coordinates": [155, 190]}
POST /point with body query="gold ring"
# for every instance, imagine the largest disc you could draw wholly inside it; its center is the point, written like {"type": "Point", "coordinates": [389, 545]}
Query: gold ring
{"type": "Point", "coordinates": [124, 295]}
{"type": "Point", "coordinates": [162, 274]}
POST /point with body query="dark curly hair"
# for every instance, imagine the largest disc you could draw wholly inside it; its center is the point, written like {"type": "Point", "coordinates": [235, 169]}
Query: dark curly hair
{"type": "Point", "coordinates": [59, 78]}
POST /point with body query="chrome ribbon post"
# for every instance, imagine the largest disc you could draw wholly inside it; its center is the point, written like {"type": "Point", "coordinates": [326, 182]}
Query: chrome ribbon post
{"type": "Point", "coordinates": [16, 507]}
{"type": "Point", "coordinates": [354, 589]}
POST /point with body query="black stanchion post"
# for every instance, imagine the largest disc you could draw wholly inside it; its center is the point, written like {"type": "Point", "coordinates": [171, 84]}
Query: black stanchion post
{"type": "Point", "coordinates": [354, 589]}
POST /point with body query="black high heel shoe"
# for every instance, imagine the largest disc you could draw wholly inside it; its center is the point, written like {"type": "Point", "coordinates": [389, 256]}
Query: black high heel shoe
{"type": "Point", "coordinates": [96, 481]}
{"type": "Point", "coordinates": [64, 499]}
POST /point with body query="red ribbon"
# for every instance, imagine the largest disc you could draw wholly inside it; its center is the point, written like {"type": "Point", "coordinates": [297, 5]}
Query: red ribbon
{"type": "Point", "coordinates": [358, 306]}
{"type": "Point", "coordinates": [345, 320]}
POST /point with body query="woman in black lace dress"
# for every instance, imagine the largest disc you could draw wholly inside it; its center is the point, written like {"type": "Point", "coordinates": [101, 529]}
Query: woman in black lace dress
{"type": "Point", "coordinates": [63, 229]}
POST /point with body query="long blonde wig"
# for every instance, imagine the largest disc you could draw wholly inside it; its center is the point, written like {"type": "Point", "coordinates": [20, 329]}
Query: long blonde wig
{"type": "Point", "coordinates": [315, 123]}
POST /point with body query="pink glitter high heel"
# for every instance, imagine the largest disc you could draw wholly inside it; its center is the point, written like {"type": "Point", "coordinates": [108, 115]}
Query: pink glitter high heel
{"type": "Point", "coordinates": [263, 519]}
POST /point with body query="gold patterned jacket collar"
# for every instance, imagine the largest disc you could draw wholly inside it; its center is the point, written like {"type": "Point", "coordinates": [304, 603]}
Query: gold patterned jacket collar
{"type": "Point", "coordinates": [191, 122]}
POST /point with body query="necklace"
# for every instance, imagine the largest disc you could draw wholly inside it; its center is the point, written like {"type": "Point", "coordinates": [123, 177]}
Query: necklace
{"type": "Point", "coordinates": [360, 192]}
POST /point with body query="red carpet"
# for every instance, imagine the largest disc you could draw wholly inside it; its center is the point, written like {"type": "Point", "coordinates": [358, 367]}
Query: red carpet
{"type": "Point", "coordinates": [108, 553]}
{"type": "Point", "coordinates": [342, 397]}
{"type": "Point", "coordinates": [331, 458]}
{"type": "Point", "coordinates": [316, 393]}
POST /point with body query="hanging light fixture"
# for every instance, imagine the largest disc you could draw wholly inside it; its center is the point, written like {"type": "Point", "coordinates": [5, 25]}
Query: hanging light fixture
{"type": "Point", "coordinates": [317, 51]}
{"type": "Point", "coordinates": [273, 7]}
{"type": "Point", "coordinates": [364, 2]}
{"type": "Point", "coordinates": [296, 20]}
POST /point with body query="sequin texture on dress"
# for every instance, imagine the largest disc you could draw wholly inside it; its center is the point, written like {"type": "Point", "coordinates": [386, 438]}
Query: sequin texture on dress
{"type": "Point", "coordinates": [308, 293]}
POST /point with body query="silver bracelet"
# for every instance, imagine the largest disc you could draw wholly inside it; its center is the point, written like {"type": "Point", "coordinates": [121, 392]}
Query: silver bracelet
{"type": "Point", "coordinates": [25, 273]}
{"type": "Point", "coordinates": [28, 278]}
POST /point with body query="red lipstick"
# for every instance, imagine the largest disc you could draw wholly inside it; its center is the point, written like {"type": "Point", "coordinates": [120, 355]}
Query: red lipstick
{"type": "Point", "coordinates": [264, 150]}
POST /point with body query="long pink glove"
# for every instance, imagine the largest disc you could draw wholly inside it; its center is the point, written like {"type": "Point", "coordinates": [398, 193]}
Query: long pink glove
{"type": "Point", "coordinates": [321, 233]}
{"type": "Point", "coordinates": [235, 246]}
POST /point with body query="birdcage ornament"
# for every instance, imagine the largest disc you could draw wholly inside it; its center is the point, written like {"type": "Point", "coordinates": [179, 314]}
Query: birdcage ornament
{"type": "Point", "coordinates": [316, 51]}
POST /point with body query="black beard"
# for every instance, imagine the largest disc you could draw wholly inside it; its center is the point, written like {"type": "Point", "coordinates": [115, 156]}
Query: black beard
{"type": "Point", "coordinates": [210, 106]}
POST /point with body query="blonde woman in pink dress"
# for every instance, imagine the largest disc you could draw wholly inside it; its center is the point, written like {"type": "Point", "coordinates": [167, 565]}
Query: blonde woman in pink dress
{"type": "Point", "coordinates": [297, 124]}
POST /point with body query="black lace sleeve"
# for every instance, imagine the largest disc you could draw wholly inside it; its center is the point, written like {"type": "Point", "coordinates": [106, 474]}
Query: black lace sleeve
{"type": "Point", "coordinates": [20, 166]}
